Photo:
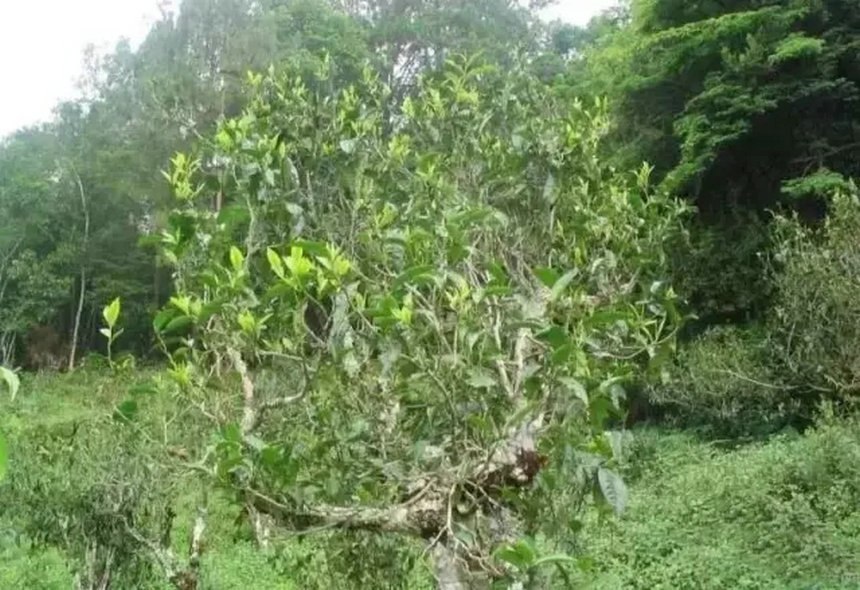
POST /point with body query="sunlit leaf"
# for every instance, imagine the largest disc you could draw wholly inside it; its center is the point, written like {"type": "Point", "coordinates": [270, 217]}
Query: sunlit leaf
{"type": "Point", "coordinates": [11, 381]}
{"type": "Point", "coordinates": [111, 312]}
{"type": "Point", "coordinates": [237, 259]}
{"type": "Point", "coordinates": [275, 263]}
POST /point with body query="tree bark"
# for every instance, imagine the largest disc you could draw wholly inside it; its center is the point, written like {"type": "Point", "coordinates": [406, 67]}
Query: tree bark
{"type": "Point", "coordinates": [83, 276]}
{"type": "Point", "coordinates": [447, 569]}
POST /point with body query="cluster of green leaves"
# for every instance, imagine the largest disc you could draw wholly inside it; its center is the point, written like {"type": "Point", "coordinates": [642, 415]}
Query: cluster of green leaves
{"type": "Point", "coordinates": [82, 477]}
{"type": "Point", "coordinates": [101, 155]}
{"type": "Point", "coordinates": [743, 107]}
{"type": "Point", "coordinates": [728, 382]}
{"type": "Point", "coordinates": [425, 284]}
{"type": "Point", "coordinates": [813, 325]}
{"type": "Point", "coordinates": [760, 376]}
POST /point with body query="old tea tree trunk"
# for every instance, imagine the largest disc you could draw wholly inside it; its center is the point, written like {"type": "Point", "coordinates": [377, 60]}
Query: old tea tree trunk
{"type": "Point", "coordinates": [440, 504]}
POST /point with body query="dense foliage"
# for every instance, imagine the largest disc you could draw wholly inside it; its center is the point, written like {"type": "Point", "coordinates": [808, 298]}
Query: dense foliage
{"type": "Point", "coordinates": [365, 294]}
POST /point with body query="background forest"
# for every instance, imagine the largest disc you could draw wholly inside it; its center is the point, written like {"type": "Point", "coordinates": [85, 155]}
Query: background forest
{"type": "Point", "coordinates": [435, 294]}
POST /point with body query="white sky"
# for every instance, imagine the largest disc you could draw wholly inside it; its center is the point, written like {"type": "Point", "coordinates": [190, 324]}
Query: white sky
{"type": "Point", "coordinates": [42, 44]}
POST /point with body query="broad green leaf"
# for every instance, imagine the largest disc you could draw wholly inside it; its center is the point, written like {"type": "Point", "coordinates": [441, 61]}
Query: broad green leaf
{"type": "Point", "coordinates": [236, 258]}
{"type": "Point", "coordinates": [182, 303]}
{"type": "Point", "coordinates": [557, 558]}
{"type": "Point", "coordinates": [315, 248]}
{"type": "Point", "coordinates": [613, 488]}
{"type": "Point", "coordinates": [519, 554]}
{"type": "Point", "coordinates": [13, 383]}
{"type": "Point", "coordinates": [275, 262]}
{"type": "Point", "coordinates": [576, 388]}
{"type": "Point", "coordinates": [162, 318]}
{"type": "Point", "coordinates": [413, 276]}
{"type": "Point", "coordinates": [111, 312]}
{"type": "Point", "coordinates": [547, 276]}
{"type": "Point", "coordinates": [298, 264]}
{"type": "Point", "coordinates": [481, 378]}
{"type": "Point", "coordinates": [247, 321]}
{"type": "Point", "coordinates": [126, 411]}
{"type": "Point", "coordinates": [178, 323]}
{"type": "Point", "coordinates": [562, 283]}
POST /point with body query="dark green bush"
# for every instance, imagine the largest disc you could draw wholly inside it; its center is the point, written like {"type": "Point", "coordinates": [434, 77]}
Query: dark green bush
{"type": "Point", "coordinates": [720, 268]}
{"type": "Point", "coordinates": [725, 379]}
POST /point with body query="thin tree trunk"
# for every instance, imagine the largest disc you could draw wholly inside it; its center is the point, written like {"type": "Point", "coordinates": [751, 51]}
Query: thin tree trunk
{"type": "Point", "coordinates": [83, 277]}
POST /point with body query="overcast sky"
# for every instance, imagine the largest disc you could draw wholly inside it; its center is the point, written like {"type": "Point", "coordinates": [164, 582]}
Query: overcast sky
{"type": "Point", "coordinates": [42, 43]}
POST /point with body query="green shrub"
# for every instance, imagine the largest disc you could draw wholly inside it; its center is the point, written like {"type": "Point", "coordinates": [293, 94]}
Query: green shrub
{"type": "Point", "coordinates": [33, 569]}
{"type": "Point", "coordinates": [725, 379]}
{"type": "Point", "coordinates": [775, 515]}
{"type": "Point", "coordinates": [815, 324]}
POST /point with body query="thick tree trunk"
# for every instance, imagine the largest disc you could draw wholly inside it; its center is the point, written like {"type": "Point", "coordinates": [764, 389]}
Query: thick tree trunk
{"type": "Point", "coordinates": [83, 278]}
{"type": "Point", "coordinates": [447, 569]}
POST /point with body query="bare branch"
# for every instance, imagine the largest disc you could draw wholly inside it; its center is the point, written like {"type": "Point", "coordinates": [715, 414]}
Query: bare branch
{"type": "Point", "coordinates": [183, 576]}
{"type": "Point", "coordinates": [250, 414]}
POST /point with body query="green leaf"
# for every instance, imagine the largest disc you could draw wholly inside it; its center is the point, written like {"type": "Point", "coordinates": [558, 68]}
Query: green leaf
{"type": "Point", "coordinates": [562, 283]}
{"type": "Point", "coordinates": [178, 323]}
{"type": "Point", "coordinates": [106, 332]}
{"type": "Point", "coordinates": [232, 433]}
{"type": "Point", "coordinates": [111, 312]}
{"type": "Point", "coordinates": [276, 263]}
{"type": "Point", "coordinates": [182, 303]}
{"type": "Point", "coordinates": [255, 442]}
{"type": "Point", "coordinates": [126, 411]}
{"type": "Point", "coordinates": [298, 264]}
{"type": "Point", "coordinates": [413, 276]}
{"type": "Point", "coordinates": [613, 488]}
{"type": "Point", "coordinates": [236, 258]}
{"type": "Point", "coordinates": [520, 554]}
{"type": "Point", "coordinates": [247, 321]}
{"type": "Point", "coordinates": [547, 276]}
{"type": "Point", "coordinates": [315, 248]}
{"type": "Point", "coordinates": [13, 383]}
{"type": "Point", "coordinates": [615, 438]}
{"type": "Point", "coordinates": [481, 378]}
{"type": "Point", "coordinates": [599, 409]}
{"type": "Point", "coordinates": [162, 318]}
{"type": "Point", "coordinates": [576, 388]}
{"type": "Point", "coordinates": [348, 145]}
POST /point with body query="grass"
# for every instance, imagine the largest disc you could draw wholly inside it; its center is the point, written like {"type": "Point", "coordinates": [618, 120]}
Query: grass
{"type": "Point", "coordinates": [777, 514]}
